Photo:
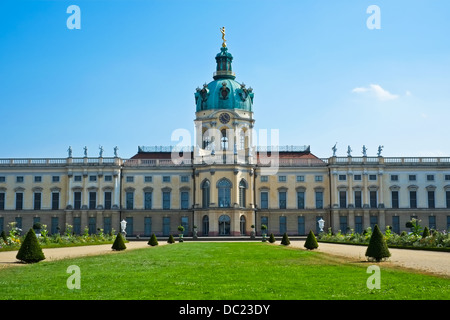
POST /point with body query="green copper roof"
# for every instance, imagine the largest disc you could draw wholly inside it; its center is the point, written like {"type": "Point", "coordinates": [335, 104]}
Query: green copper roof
{"type": "Point", "coordinates": [224, 92]}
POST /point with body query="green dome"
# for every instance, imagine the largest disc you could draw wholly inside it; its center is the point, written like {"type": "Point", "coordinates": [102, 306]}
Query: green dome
{"type": "Point", "coordinates": [224, 92]}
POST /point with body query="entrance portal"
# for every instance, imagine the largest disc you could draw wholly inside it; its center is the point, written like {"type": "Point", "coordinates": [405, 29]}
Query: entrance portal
{"type": "Point", "coordinates": [224, 225]}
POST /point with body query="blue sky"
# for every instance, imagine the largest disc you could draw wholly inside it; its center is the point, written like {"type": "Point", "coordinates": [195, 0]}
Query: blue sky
{"type": "Point", "coordinates": [320, 76]}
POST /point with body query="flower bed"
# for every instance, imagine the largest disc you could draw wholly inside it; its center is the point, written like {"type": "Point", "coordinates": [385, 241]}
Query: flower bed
{"type": "Point", "coordinates": [14, 239]}
{"type": "Point", "coordinates": [416, 239]}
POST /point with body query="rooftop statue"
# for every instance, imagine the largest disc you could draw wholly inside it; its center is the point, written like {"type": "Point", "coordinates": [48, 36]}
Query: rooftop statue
{"type": "Point", "coordinates": [223, 37]}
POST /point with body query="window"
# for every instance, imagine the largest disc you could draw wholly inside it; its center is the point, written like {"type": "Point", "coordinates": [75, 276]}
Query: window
{"type": "Point", "coordinates": [3, 179]}
{"type": "Point", "coordinates": [108, 178]}
{"type": "Point", "coordinates": [373, 199]}
{"type": "Point", "coordinates": [54, 226]}
{"type": "Point", "coordinates": [19, 201]}
{"type": "Point", "coordinates": [18, 221]}
{"type": "Point", "coordinates": [242, 187]}
{"type": "Point", "coordinates": [394, 177]}
{"type": "Point", "coordinates": [166, 200]}
{"type": "Point", "coordinates": [130, 179]}
{"type": "Point", "coordinates": [446, 178]}
{"type": "Point", "coordinates": [148, 179]}
{"type": "Point", "coordinates": [38, 179]}
{"type": "Point", "coordinates": [265, 221]}
{"type": "Point", "coordinates": [37, 200]}
{"type": "Point", "coordinates": [282, 199]}
{"type": "Point", "coordinates": [413, 199]}
{"type": "Point", "coordinates": [92, 200]}
{"type": "Point", "coordinates": [412, 177]}
{"type": "Point", "coordinates": [342, 199]}
{"type": "Point", "coordinates": [77, 225]}
{"type": "Point", "coordinates": [447, 199]}
{"type": "Point", "coordinates": [372, 177]}
{"type": "Point", "coordinates": [184, 200]}
{"type": "Point", "coordinates": [224, 193]}
{"type": "Point", "coordinates": [77, 200]}
{"type": "Point", "coordinates": [92, 178]}
{"type": "Point", "coordinates": [19, 179]}
{"type": "Point", "coordinates": [358, 199]}
{"type": "Point", "coordinates": [264, 178]}
{"type": "Point", "coordinates": [373, 221]}
{"type": "Point", "coordinates": [318, 178]}
{"type": "Point", "coordinates": [319, 200]}
{"type": "Point", "coordinates": [432, 222]}
{"type": "Point", "coordinates": [55, 200]}
{"type": "Point", "coordinates": [300, 200]}
{"type": "Point", "coordinates": [2, 201]}
{"type": "Point", "coordinates": [281, 178]}
{"type": "Point", "coordinates": [357, 177]}
{"type": "Point", "coordinates": [147, 226]}
{"type": "Point", "coordinates": [55, 179]}
{"type": "Point", "coordinates": [358, 224]}
{"type": "Point", "coordinates": [283, 228]}
{"type": "Point", "coordinates": [264, 200]}
{"type": "Point", "coordinates": [342, 177]}
{"type": "Point", "coordinates": [92, 224]}
{"type": "Point", "coordinates": [300, 178]}
{"type": "Point", "coordinates": [184, 178]}
{"type": "Point", "coordinates": [394, 196]}
{"type": "Point", "coordinates": [431, 204]}
{"type": "Point", "coordinates": [396, 224]}
{"type": "Point", "coordinates": [205, 224]}
{"type": "Point", "coordinates": [77, 178]}
{"type": "Point", "coordinates": [107, 228]}
{"type": "Point", "coordinates": [129, 200]}
{"type": "Point", "coordinates": [166, 178]}
{"type": "Point", "coordinates": [185, 224]}
{"type": "Point", "coordinates": [147, 200]}
{"type": "Point", "coordinates": [343, 224]}
{"type": "Point", "coordinates": [430, 177]}
{"type": "Point", "coordinates": [108, 200]}
{"type": "Point", "coordinates": [301, 225]}
{"type": "Point", "coordinates": [205, 194]}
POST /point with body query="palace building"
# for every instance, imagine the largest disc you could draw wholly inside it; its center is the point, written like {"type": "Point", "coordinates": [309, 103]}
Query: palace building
{"type": "Point", "coordinates": [224, 185]}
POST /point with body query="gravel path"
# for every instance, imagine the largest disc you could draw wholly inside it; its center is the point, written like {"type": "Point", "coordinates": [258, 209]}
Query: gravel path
{"type": "Point", "coordinates": [426, 261]}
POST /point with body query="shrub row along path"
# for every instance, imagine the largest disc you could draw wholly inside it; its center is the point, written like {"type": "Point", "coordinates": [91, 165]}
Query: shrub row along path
{"type": "Point", "coordinates": [427, 261]}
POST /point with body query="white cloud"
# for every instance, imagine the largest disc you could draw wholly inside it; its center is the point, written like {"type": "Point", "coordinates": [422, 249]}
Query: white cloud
{"type": "Point", "coordinates": [377, 91]}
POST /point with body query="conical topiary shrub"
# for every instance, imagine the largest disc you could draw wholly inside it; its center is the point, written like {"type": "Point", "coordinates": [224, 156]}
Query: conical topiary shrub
{"type": "Point", "coordinates": [377, 249]}
{"type": "Point", "coordinates": [311, 241]}
{"type": "Point", "coordinates": [285, 241]}
{"type": "Point", "coordinates": [119, 243]}
{"type": "Point", "coordinates": [153, 241]}
{"type": "Point", "coordinates": [426, 232]}
{"type": "Point", "coordinates": [30, 251]}
{"type": "Point", "coordinates": [272, 238]}
{"type": "Point", "coordinates": [171, 239]}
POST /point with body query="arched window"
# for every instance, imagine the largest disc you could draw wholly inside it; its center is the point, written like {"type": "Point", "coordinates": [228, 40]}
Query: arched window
{"type": "Point", "coordinates": [242, 225]}
{"type": "Point", "coordinates": [205, 222]}
{"type": "Point", "coordinates": [205, 193]}
{"type": "Point", "coordinates": [242, 187]}
{"type": "Point", "coordinates": [224, 192]}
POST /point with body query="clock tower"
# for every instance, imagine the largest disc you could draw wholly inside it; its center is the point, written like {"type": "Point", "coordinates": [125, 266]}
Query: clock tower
{"type": "Point", "coordinates": [224, 156]}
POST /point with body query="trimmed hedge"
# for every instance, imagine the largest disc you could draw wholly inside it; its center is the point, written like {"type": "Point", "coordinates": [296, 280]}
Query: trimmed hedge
{"type": "Point", "coordinates": [30, 251]}
{"type": "Point", "coordinates": [377, 249]}
{"type": "Point", "coordinates": [311, 241]}
{"type": "Point", "coordinates": [119, 243]}
{"type": "Point", "coordinates": [153, 241]}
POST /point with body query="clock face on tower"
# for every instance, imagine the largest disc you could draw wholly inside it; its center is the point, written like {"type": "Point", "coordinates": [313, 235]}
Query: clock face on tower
{"type": "Point", "coordinates": [224, 118]}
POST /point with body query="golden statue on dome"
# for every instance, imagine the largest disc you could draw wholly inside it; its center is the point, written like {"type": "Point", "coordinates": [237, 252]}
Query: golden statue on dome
{"type": "Point", "coordinates": [223, 37]}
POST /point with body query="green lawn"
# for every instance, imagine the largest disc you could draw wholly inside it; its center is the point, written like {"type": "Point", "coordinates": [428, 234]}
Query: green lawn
{"type": "Point", "coordinates": [221, 270]}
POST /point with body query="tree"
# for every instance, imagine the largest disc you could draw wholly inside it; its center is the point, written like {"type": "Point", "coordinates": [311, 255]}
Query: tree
{"type": "Point", "coordinates": [30, 251]}
{"type": "Point", "coordinates": [311, 241]}
{"type": "Point", "coordinates": [285, 241]}
{"type": "Point", "coordinates": [119, 243]}
{"type": "Point", "coordinates": [171, 239]}
{"type": "Point", "coordinates": [272, 238]}
{"type": "Point", "coordinates": [153, 241]}
{"type": "Point", "coordinates": [377, 249]}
